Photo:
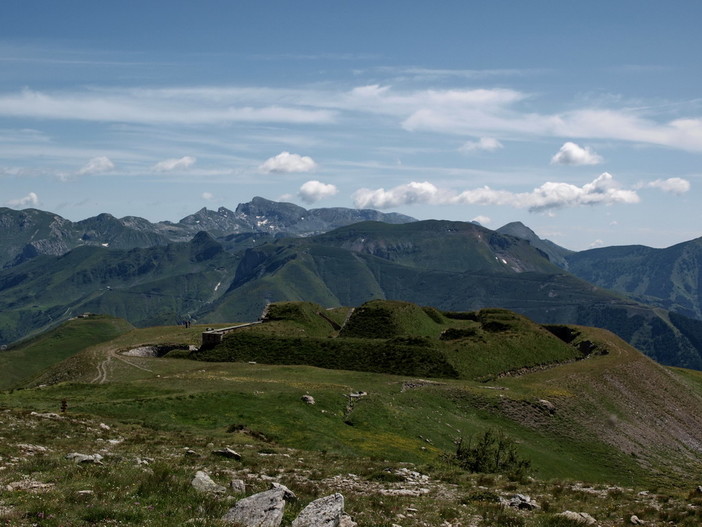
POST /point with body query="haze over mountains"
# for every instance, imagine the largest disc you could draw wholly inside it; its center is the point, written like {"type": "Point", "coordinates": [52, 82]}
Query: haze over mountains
{"type": "Point", "coordinates": [225, 266]}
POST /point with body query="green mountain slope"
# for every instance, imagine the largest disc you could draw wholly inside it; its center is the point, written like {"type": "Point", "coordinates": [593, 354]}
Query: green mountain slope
{"type": "Point", "coordinates": [556, 254]}
{"type": "Point", "coordinates": [144, 286]}
{"type": "Point", "coordinates": [25, 360]}
{"type": "Point", "coordinates": [615, 416]}
{"type": "Point", "coordinates": [451, 265]}
{"type": "Point", "coordinates": [669, 278]}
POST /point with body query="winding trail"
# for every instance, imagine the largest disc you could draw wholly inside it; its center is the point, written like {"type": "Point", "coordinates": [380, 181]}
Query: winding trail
{"type": "Point", "coordinates": [104, 366]}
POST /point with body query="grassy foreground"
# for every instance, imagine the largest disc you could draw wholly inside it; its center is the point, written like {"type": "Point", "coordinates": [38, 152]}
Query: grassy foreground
{"type": "Point", "coordinates": [610, 441]}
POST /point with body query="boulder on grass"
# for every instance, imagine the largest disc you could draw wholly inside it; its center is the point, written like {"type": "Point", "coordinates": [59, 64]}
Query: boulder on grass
{"type": "Point", "coordinates": [264, 509]}
{"type": "Point", "coordinates": [324, 512]}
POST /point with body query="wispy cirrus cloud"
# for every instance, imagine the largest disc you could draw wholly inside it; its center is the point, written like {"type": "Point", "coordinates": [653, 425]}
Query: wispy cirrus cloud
{"type": "Point", "coordinates": [168, 165]}
{"type": "Point", "coordinates": [478, 112]}
{"type": "Point", "coordinates": [484, 144]}
{"type": "Point", "coordinates": [603, 190]}
{"type": "Point", "coordinates": [152, 106]}
{"type": "Point", "coordinates": [97, 165]}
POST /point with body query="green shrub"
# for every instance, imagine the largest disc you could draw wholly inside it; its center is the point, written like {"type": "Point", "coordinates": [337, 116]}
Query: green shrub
{"type": "Point", "coordinates": [492, 453]}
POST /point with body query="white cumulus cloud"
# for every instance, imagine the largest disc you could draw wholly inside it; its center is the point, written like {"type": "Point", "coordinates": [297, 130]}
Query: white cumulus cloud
{"type": "Point", "coordinates": [574, 154]}
{"type": "Point", "coordinates": [29, 199]}
{"type": "Point", "coordinates": [603, 190]}
{"type": "Point", "coordinates": [287, 162]}
{"type": "Point", "coordinates": [674, 185]}
{"type": "Point", "coordinates": [96, 165]}
{"type": "Point", "coordinates": [414, 192]}
{"type": "Point", "coordinates": [313, 191]}
{"type": "Point", "coordinates": [482, 220]}
{"type": "Point", "coordinates": [168, 165]}
{"type": "Point", "coordinates": [207, 196]}
{"type": "Point", "coordinates": [484, 144]}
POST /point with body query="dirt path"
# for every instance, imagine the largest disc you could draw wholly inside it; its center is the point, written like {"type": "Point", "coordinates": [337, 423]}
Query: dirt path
{"type": "Point", "coordinates": [104, 366]}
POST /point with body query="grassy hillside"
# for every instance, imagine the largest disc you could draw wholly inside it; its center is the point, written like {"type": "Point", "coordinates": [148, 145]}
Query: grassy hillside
{"type": "Point", "coordinates": [453, 267]}
{"type": "Point", "coordinates": [591, 429]}
{"type": "Point", "coordinates": [615, 420]}
{"type": "Point", "coordinates": [450, 265]}
{"type": "Point", "coordinates": [145, 286]}
{"type": "Point", "coordinates": [25, 360]}
{"type": "Point", "coordinates": [396, 337]}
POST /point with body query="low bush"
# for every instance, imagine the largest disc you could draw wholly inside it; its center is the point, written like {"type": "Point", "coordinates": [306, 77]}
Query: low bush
{"type": "Point", "coordinates": [492, 453]}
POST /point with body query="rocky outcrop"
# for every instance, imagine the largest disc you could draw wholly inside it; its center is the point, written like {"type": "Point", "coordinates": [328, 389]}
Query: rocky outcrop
{"type": "Point", "coordinates": [202, 482]}
{"type": "Point", "coordinates": [520, 501]}
{"type": "Point", "coordinates": [264, 509]}
{"type": "Point", "coordinates": [582, 518]}
{"type": "Point", "coordinates": [324, 512]}
{"type": "Point", "coordinates": [228, 453]}
{"type": "Point", "coordinates": [85, 458]}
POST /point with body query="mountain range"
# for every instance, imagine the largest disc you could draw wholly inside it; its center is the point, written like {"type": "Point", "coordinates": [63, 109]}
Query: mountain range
{"type": "Point", "coordinates": [224, 266]}
{"type": "Point", "coordinates": [31, 232]}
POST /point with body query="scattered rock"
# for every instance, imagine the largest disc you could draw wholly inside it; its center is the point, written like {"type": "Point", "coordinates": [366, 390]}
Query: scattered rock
{"type": "Point", "coordinates": [358, 394]}
{"type": "Point", "coordinates": [287, 493]}
{"type": "Point", "coordinates": [308, 399]}
{"type": "Point", "coordinates": [29, 485]}
{"type": "Point", "coordinates": [228, 453]}
{"type": "Point", "coordinates": [8, 513]}
{"type": "Point", "coordinates": [203, 483]}
{"type": "Point", "coordinates": [32, 449]}
{"type": "Point", "coordinates": [191, 452]}
{"type": "Point", "coordinates": [520, 501]}
{"type": "Point", "coordinates": [324, 512]}
{"type": "Point", "coordinates": [237, 486]}
{"type": "Point", "coordinates": [84, 495]}
{"type": "Point", "coordinates": [264, 509]}
{"type": "Point", "coordinates": [580, 517]}
{"type": "Point", "coordinates": [85, 458]}
{"type": "Point", "coordinates": [48, 415]}
{"type": "Point", "coordinates": [104, 426]}
{"type": "Point", "coordinates": [404, 492]}
{"type": "Point", "coordinates": [547, 405]}
{"type": "Point", "coordinates": [346, 521]}
{"type": "Point", "coordinates": [634, 520]}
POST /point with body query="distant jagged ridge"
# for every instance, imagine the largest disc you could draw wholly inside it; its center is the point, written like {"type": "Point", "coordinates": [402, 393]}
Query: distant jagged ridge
{"type": "Point", "coordinates": [31, 232]}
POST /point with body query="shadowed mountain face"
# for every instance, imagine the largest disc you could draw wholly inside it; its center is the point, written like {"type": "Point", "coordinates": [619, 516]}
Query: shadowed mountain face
{"type": "Point", "coordinates": [558, 255]}
{"type": "Point", "coordinates": [669, 278]}
{"type": "Point", "coordinates": [29, 233]}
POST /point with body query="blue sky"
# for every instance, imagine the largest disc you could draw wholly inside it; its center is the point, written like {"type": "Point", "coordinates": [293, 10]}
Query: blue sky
{"type": "Point", "coordinates": [582, 120]}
